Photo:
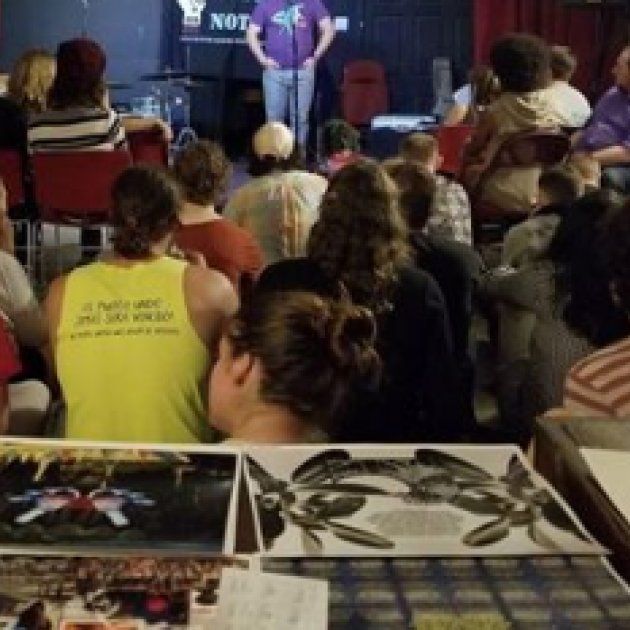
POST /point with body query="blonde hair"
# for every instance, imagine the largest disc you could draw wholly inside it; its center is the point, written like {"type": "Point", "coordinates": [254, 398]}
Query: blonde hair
{"type": "Point", "coordinates": [31, 78]}
{"type": "Point", "coordinates": [418, 147]}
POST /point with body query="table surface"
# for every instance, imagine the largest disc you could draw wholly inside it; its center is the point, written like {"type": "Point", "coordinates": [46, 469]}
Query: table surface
{"type": "Point", "coordinates": [558, 458]}
{"type": "Point", "coordinates": [529, 593]}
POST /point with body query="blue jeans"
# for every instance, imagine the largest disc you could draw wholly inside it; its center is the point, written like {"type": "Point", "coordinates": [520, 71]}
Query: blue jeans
{"type": "Point", "coordinates": [279, 98]}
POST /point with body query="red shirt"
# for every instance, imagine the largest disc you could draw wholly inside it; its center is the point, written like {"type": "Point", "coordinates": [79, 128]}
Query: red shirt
{"type": "Point", "coordinates": [9, 361]}
{"type": "Point", "coordinates": [225, 246]}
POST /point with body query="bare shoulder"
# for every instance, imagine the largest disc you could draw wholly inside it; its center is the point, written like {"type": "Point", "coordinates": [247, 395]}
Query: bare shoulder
{"type": "Point", "coordinates": [209, 287]}
{"type": "Point", "coordinates": [54, 296]}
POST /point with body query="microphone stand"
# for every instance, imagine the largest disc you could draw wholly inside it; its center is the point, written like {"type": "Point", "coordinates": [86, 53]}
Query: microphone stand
{"type": "Point", "coordinates": [295, 79]}
{"type": "Point", "coordinates": [86, 11]}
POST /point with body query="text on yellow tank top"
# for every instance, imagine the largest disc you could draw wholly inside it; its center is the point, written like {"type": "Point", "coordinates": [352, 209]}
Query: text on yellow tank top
{"type": "Point", "coordinates": [130, 364]}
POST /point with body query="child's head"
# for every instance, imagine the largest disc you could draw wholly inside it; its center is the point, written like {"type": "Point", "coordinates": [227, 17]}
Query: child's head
{"type": "Point", "coordinates": [559, 185]}
{"type": "Point", "coordinates": [563, 63]}
{"type": "Point", "coordinates": [416, 190]}
{"type": "Point", "coordinates": [295, 352]}
{"type": "Point", "coordinates": [421, 148]}
{"type": "Point", "coordinates": [339, 135]}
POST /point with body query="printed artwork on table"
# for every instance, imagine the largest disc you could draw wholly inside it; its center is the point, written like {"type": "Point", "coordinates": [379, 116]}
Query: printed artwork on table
{"type": "Point", "coordinates": [75, 497]}
{"type": "Point", "coordinates": [439, 501]}
{"type": "Point", "coordinates": [110, 593]}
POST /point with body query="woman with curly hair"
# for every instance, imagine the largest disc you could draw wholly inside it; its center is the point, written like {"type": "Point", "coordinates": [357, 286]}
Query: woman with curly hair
{"type": "Point", "coordinates": [288, 366]}
{"type": "Point", "coordinates": [521, 63]}
{"type": "Point", "coordinates": [599, 385]}
{"type": "Point", "coordinates": [132, 334]}
{"type": "Point", "coordinates": [202, 170]}
{"type": "Point", "coordinates": [359, 247]}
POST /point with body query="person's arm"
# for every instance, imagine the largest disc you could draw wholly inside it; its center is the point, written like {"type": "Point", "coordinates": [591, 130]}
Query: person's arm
{"type": "Point", "coordinates": [611, 156]}
{"type": "Point", "coordinates": [326, 35]}
{"type": "Point", "coordinates": [455, 115]}
{"type": "Point", "coordinates": [252, 36]}
{"type": "Point", "coordinates": [211, 300]}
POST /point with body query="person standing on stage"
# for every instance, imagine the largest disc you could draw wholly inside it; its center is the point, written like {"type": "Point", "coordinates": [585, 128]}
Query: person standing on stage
{"type": "Point", "coordinates": [289, 54]}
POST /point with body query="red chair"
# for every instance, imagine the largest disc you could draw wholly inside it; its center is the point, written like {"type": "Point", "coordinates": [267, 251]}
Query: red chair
{"type": "Point", "coordinates": [539, 147]}
{"type": "Point", "coordinates": [148, 146]}
{"type": "Point", "coordinates": [73, 188]}
{"type": "Point", "coordinates": [12, 176]}
{"type": "Point", "coordinates": [364, 92]}
{"type": "Point", "coordinates": [451, 143]}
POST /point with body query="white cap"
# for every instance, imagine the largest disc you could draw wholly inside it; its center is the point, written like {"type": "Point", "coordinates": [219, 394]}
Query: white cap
{"type": "Point", "coordinates": [274, 140]}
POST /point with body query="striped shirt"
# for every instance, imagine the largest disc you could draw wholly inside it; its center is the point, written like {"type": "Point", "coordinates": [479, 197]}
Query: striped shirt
{"type": "Point", "coordinates": [599, 385]}
{"type": "Point", "coordinates": [76, 129]}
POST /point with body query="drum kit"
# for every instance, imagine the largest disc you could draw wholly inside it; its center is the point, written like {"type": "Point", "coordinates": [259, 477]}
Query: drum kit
{"type": "Point", "coordinates": [170, 89]}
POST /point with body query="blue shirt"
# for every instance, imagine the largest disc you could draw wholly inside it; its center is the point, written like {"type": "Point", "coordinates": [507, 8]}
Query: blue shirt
{"type": "Point", "coordinates": [610, 123]}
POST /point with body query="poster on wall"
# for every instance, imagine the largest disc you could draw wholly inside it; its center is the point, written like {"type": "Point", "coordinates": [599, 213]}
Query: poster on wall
{"type": "Point", "coordinates": [407, 501]}
{"type": "Point", "coordinates": [110, 593]}
{"type": "Point", "coordinates": [215, 21]}
{"type": "Point", "coordinates": [62, 496]}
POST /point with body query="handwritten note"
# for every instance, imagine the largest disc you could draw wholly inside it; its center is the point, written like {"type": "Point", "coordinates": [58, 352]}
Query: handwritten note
{"type": "Point", "coordinates": [264, 601]}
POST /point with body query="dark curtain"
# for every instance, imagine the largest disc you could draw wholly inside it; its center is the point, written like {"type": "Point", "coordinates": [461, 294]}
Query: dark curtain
{"type": "Point", "coordinates": [594, 33]}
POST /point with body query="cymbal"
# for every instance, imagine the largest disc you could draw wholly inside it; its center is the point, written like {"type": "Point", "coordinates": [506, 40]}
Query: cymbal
{"type": "Point", "coordinates": [118, 85]}
{"type": "Point", "coordinates": [165, 75]}
{"type": "Point", "coordinates": [187, 83]}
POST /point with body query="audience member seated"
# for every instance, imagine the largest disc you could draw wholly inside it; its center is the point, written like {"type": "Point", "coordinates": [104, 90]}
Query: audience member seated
{"type": "Point", "coordinates": [279, 205]}
{"type": "Point", "coordinates": [340, 146]}
{"type": "Point", "coordinates": [521, 62]}
{"type": "Point", "coordinates": [19, 305]}
{"type": "Point", "coordinates": [132, 334]}
{"type": "Point", "coordinates": [449, 216]}
{"type": "Point", "coordinates": [288, 366]}
{"type": "Point", "coordinates": [471, 99]}
{"type": "Point", "coordinates": [570, 105]}
{"type": "Point", "coordinates": [23, 405]}
{"type": "Point", "coordinates": [78, 115]}
{"type": "Point", "coordinates": [606, 137]}
{"type": "Point", "coordinates": [360, 246]}
{"type": "Point", "coordinates": [599, 385]}
{"type": "Point", "coordinates": [567, 290]}
{"type": "Point", "coordinates": [558, 188]}
{"type": "Point", "coordinates": [30, 80]}
{"type": "Point", "coordinates": [202, 170]}
{"type": "Point", "coordinates": [456, 267]}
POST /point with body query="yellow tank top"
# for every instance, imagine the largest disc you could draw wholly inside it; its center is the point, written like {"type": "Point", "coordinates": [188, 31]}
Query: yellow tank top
{"type": "Point", "coordinates": [130, 364]}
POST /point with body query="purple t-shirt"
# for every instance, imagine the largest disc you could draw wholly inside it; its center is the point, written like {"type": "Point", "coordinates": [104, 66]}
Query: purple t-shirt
{"type": "Point", "coordinates": [277, 18]}
{"type": "Point", "coordinates": [609, 124]}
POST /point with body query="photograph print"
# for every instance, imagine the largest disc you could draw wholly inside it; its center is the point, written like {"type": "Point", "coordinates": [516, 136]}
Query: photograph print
{"type": "Point", "coordinates": [58, 498]}
{"type": "Point", "coordinates": [406, 501]}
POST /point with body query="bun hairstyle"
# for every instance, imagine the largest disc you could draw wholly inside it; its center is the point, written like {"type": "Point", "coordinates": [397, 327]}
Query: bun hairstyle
{"type": "Point", "coordinates": [316, 353]}
{"type": "Point", "coordinates": [145, 201]}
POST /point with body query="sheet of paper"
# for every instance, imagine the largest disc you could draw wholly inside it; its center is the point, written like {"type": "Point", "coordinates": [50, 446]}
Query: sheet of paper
{"type": "Point", "coordinates": [264, 601]}
{"type": "Point", "coordinates": [611, 470]}
{"type": "Point", "coordinates": [424, 500]}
